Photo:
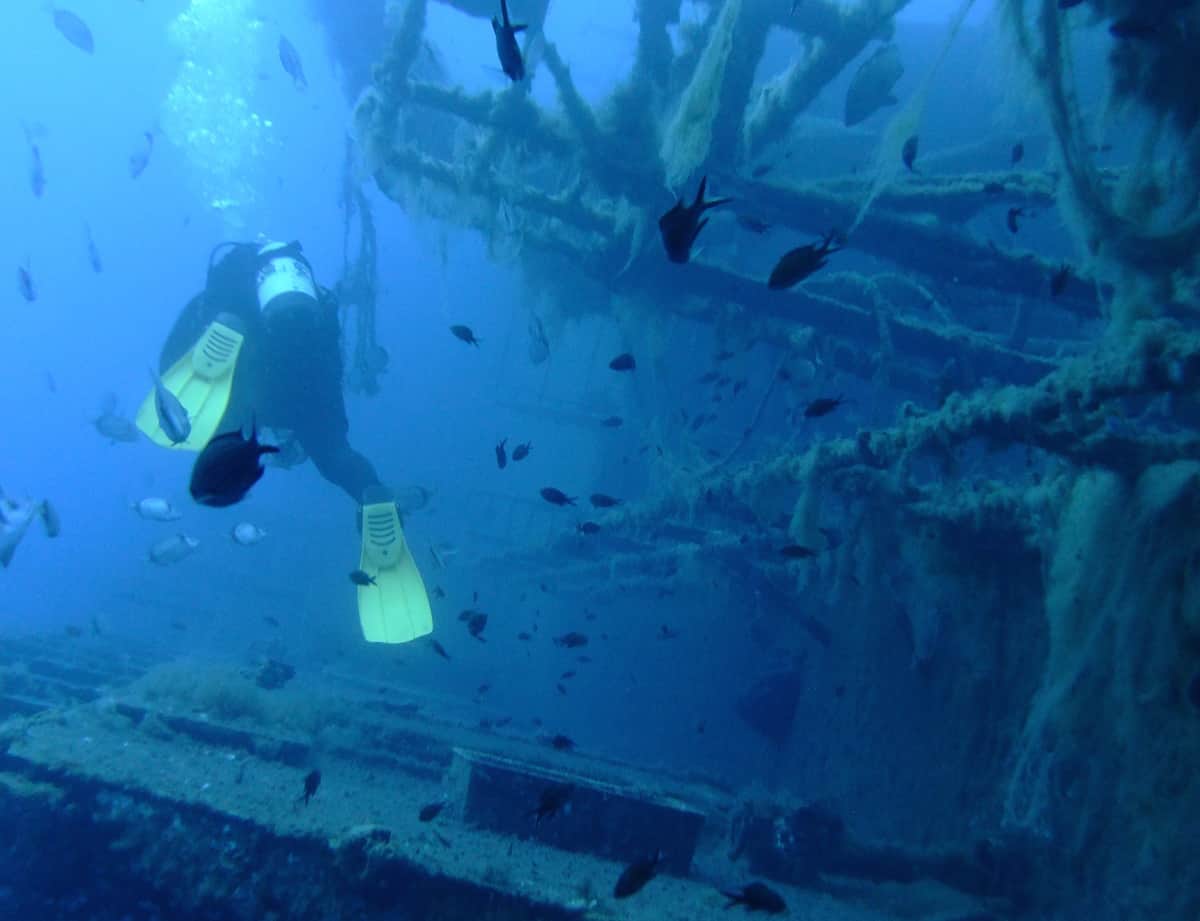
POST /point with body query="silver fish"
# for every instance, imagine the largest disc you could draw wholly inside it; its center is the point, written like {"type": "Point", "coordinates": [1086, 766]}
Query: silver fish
{"type": "Point", "coordinates": [871, 88]}
{"type": "Point", "coordinates": [112, 425]}
{"type": "Point", "coordinates": [15, 517]}
{"type": "Point", "coordinates": [289, 57]}
{"type": "Point", "coordinates": [539, 345]}
{"type": "Point", "coordinates": [172, 417]}
{"type": "Point", "coordinates": [154, 509]}
{"type": "Point", "coordinates": [74, 30]}
{"type": "Point", "coordinates": [173, 549]}
{"type": "Point", "coordinates": [247, 534]}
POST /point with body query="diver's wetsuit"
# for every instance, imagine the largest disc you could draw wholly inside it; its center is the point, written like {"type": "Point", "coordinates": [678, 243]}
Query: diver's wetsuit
{"type": "Point", "coordinates": [289, 372]}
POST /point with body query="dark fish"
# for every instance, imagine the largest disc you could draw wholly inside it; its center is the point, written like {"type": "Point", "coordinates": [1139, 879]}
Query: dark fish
{"type": "Point", "coordinates": [600, 500]}
{"type": "Point", "coordinates": [557, 496]}
{"type": "Point", "coordinates": [572, 640]}
{"type": "Point", "coordinates": [501, 456]}
{"type": "Point", "coordinates": [1138, 27]}
{"type": "Point", "coordinates": [1018, 153]}
{"type": "Point", "coordinates": [37, 173]}
{"type": "Point", "coordinates": [521, 451]}
{"type": "Point", "coordinates": [797, 264]}
{"type": "Point", "coordinates": [439, 649]}
{"type": "Point", "coordinates": [636, 875]}
{"type": "Point", "coordinates": [524, 636]}
{"type": "Point", "coordinates": [552, 801]}
{"type": "Point", "coordinates": [140, 159]}
{"type": "Point", "coordinates": [817, 630]}
{"type": "Point", "coordinates": [507, 48]}
{"type": "Point", "coordinates": [708, 377]}
{"type": "Point", "coordinates": [666, 633]}
{"type": "Point", "coordinates": [623, 362]}
{"type": "Point", "coordinates": [562, 690]}
{"type": "Point", "coordinates": [587, 527]}
{"type": "Point", "coordinates": [465, 334]}
{"type": "Point", "coordinates": [359, 577]}
{"type": "Point", "coordinates": [761, 170]}
{"type": "Point", "coordinates": [476, 624]}
{"type": "Point", "coordinates": [993, 188]}
{"type": "Point", "coordinates": [822, 406]}
{"type": "Point", "coordinates": [50, 520]}
{"type": "Point", "coordinates": [723, 355]}
{"type": "Point", "coordinates": [227, 467]}
{"type": "Point", "coordinates": [612, 422]}
{"type": "Point", "coordinates": [871, 87]}
{"type": "Point", "coordinates": [290, 59]}
{"type": "Point", "coordinates": [270, 621]}
{"type": "Point", "coordinates": [797, 552]}
{"type": "Point", "coordinates": [1011, 219]}
{"type": "Point", "coordinates": [311, 782]}
{"type": "Point", "coordinates": [93, 253]}
{"type": "Point", "coordinates": [1067, 4]}
{"type": "Point", "coordinates": [25, 283]}
{"type": "Point", "coordinates": [681, 225]}
{"type": "Point", "coordinates": [567, 675]}
{"type": "Point", "coordinates": [1058, 281]}
{"type": "Point", "coordinates": [431, 812]}
{"type": "Point", "coordinates": [74, 30]}
{"type": "Point", "coordinates": [561, 743]}
{"type": "Point", "coordinates": [909, 153]}
{"type": "Point", "coordinates": [439, 592]}
{"type": "Point", "coordinates": [753, 224]}
{"type": "Point", "coordinates": [757, 897]}
{"type": "Point", "coordinates": [464, 616]}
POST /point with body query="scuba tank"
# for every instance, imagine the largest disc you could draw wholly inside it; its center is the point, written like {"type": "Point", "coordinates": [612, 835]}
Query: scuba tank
{"type": "Point", "coordinates": [284, 283]}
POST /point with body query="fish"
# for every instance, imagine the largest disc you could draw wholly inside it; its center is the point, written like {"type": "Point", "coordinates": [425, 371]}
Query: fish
{"type": "Point", "coordinates": [521, 451]}
{"type": "Point", "coordinates": [600, 500]}
{"type": "Point", "coordinates": [93, 253]}
{"type": "Point", "coordinates": [361, 578]}
{"type": "Point", "coordinates": [227, 467]}
{"type": "Point", "coordinates": [797, 552]}
{"type": "Point", "coordinates": [25, 283]}
{"type": "Point", "coordinates": [140, 159]}
{"type": "Point", "coordinates": [16, 515]}
{"type": "Point", "coordinates": [524, 636]}
{"type": "Point", "coordinates": [871, 87]}
{"type": "Point", "coordinates": [113, 426]}
{"type": "Point", "coordinates": [681, 225]}
{"type": "Point", "coordinates": [1058, 281]}
{"type": "Point", "coordinates": [623, 362]}
{"type": "Point", "coordinates": [1137, 26]}
{"type": "Point", "coordinates": [756, 897]}
{"type": "Point", "coordinates": [1010, 219]}
{"type": "Point", "coordinates": [823, 406]}
{"type": "Point", "coordinates": [1018, 153]}
{"type": "Point", "coordinates": [993, 188]}
{"type": "Point", "coordinates": [312, 782]}
{"type": "Point", "coordinates": [172, 417]}
{"type": "Point", "coordinates": [572, 640]}
{"type": "Point", "coordinates": [74, 30]}
{"type": "Point", "coordinates": [797, 264]}
{"type": "Point", "coordinates": [587, 527]}
{"type": "Point", "coordinates": [173, 549]}
{"type": "Point", "coordinates": [567, 675]}
{"type": "Point", "coordinates": [909, 153]}
{"type": "Point", "coordinates": [539, 344]}
{"type": "Point", "coordinates": [666, 633]}
{"type": "Point", "coordinates": [761, 170]}
{"type": "Point", "coordinates": [561, 743]}
{"type": "Point", "coordinates": [439, 592]}
{"type": "Point", "coordinates": [1067, 4]}
{"type": "Point", "coordinates": [247, 533]}
{"type": "Point", "coordinates": [154, 509]}
{"type": "Point", "coordinates": [556, 496]}
{"type": "Point", "coordinates": [270, 621]}
{"type": "Point", "coordinates": [439, 649]}
{"type": "Point", "coordinates": [507, 48]}
{"type": "Point", "coordinates": [612, 422]}
{"type": "Point", "coordinates": [501, 455]}
{"type": "Point", "coordinates": [817, 630]}
{"type": "Point", "coordinates": [476, 624]}
{"type": "Point", "coordinates": [465, 334]}
{"type": "Point", "coordinates": [289, 58]}
{"type": "Point", "coordinates": [37, 172]}
{"type": "Point", "coordinates": [753, 224]}
{"type": "Point", "coordinates": [552, 801]}
{"type": "Point", "coordinates": [723, 355]}
{"type": "Point", "coordinates": [431, 812]}
{"type": "Point", "coordinates": [635, 876]}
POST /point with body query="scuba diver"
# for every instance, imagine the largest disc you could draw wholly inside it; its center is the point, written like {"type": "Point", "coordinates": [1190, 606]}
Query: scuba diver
{"type": "Point", "coordinates": [261, 345]}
